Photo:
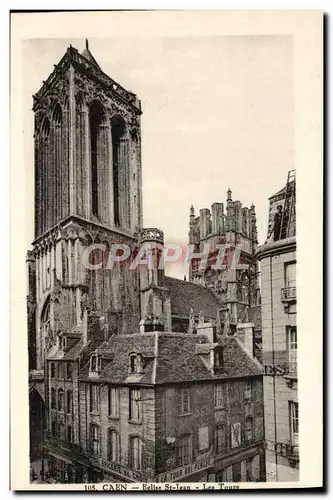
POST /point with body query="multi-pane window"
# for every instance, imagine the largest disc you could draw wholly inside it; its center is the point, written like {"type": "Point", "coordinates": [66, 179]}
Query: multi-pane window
{"type": "Point", "coordinates": [219, 439]}
{"type": "Point", "coordinates": [135, 404]}
{"type": "Point", "coordinates": [184, 401]}
{"type": "Point", "coordinates": [290, 275]}
{"type": "Point", "coordinates": [136, 453]}
{"type": "Point", "coordinates": [248, 390]}
{"type": "Point", "coordinates": [292, 349]}
{"type": "Point", "coordinates": [218, 396]}
{"type": "Point", "coordinates": [113, 401]}
{"type": "Point", "coordinates": [69, 401]}
{"type": "Point", "coordinates": [184, 449]}
{"type": "Point", "coordinates": [94, 398]}
{"type": "Point", "coordinates": [53, 399]}
{"type": "Point", "coordinates": [249, 429]}
{"type": "Point", "coordinates": [294, 429]}
{"type": "Point", "coordinates": [94, 439]}
{"type": "Point", "coordinates": [61, 397]}
{"type": "Point", "coordinates": [113, 445]}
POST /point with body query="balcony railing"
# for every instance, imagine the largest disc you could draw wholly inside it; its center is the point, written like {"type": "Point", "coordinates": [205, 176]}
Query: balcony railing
{"type": "Point", "coordinates": [288, 293]}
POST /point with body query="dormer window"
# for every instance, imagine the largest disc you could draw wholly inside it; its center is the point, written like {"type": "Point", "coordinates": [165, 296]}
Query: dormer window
{"type": "Point", "coordinates": [95, 363]}
{"type": "Point", "coordinates": [133, 363]}
{"type": "Point", "coordinates": [63, 343]}
{"type": "Point", "coordinates": [218, 357]}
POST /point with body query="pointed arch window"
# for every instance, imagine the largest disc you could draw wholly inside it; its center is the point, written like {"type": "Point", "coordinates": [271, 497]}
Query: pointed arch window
{"type": "Point", "coordinates": [119, 167]}
{"type": "Point", "coordinates": [97, 119]}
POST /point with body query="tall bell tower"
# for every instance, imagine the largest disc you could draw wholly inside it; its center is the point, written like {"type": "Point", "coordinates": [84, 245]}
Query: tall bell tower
{"type": "Point", "coordinates": [87, 190]}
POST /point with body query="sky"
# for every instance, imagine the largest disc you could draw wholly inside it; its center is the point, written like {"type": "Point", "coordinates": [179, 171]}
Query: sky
{"type": "Point", "coordinates": [218, 112]}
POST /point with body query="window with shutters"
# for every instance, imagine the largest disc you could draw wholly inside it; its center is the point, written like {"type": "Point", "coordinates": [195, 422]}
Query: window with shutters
{"type": "Point", "coordinates": [113, 399]}
{"type": "Point", "coordinates": [294, 429]}
{"type": "Point", "coordinates": [135, 405]}
{"type": "Point", "coordinates": [94, 439]}
{"type": "Point", "coordinates": [218, 396]}
{"type": "Point", "coordinates": [136, 453]}
{"type": "Point", "coordinates": [94, 398]}
{"type": "Point", "coordinates": [113, 445]}
{"type": "Point", "coordinates": [184, 404]}
{"type": "Point", "coordinates": [219, 439]}
{"type": "Point", "coordinates": [184, 449]}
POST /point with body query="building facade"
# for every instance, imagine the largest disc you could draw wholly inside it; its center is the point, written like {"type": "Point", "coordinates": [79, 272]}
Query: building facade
{"type": "Point", "coordinates": [279, 333]}
{"type": "Point", "coordinates": [140, 376]}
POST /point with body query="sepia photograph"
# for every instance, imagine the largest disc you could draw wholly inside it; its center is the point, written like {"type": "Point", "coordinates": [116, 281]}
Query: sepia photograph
{"type": "Point", "coordinates": [161, 185]}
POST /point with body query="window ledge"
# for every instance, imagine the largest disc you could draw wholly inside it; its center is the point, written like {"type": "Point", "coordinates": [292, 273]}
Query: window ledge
{"type": "Point", "coordinates": [113, 417]}
{"type": "Point", "coordinates": [135, 422]}
{"type": "Point", "coordinates": [95, 413]}
{"type": "Point", "coordinates": [220, 408]}
{"type": "Point", "coordinates": [185, 414]}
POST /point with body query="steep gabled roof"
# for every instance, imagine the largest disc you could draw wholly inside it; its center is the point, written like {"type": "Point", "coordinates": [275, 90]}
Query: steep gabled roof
{"type": "Point", "coordinates": [185, 294]}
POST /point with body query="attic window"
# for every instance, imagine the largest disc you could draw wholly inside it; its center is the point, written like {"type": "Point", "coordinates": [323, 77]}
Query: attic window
{"type": "Point", "coordinates": [63, 344]}
{"type": "Point", "coordinates": [135, 363]}
{"type": "Point", "coordinates": [218, 358]}
{"type": "Point", "coordinates": [95, 363]}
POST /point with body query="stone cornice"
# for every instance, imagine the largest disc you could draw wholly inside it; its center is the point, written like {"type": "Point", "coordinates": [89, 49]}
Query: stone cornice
{"type": "Point", "coordinates": [276, 247]}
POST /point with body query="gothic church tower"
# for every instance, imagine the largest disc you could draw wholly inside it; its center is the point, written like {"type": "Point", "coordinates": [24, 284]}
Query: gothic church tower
{"type": "Point", "coordinates": [87, 190]}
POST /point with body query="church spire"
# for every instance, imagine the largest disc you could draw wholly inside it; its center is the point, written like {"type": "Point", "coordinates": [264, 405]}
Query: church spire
{"type": "Point", "coordinates": [88, 55]}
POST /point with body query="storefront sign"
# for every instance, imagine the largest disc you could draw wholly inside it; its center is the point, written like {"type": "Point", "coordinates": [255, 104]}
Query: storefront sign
{"type": "Point", "coordinates": [123, 472]}
{"type": "Point", "coordinates": [186, 470]}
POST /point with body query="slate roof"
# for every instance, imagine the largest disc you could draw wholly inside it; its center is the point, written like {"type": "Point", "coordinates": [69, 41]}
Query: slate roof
{"type": "Point", "coordinates": [122, 346]}
{"type": "Point", "coordinates": [185, 294]}
{"type": "Point", "coordinates": [175, 359]}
